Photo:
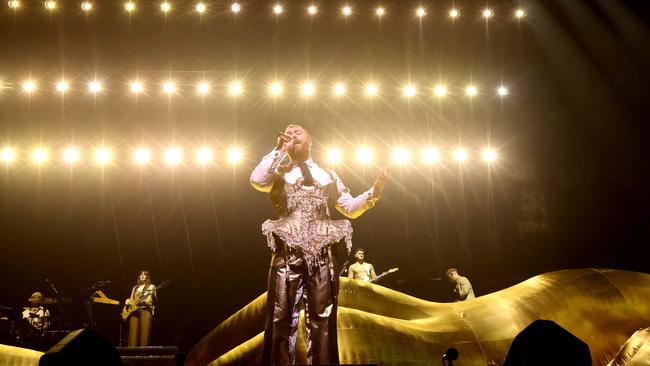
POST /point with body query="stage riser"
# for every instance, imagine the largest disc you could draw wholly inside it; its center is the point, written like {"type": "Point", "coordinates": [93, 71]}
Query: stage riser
{"type": "Point", "coordinates": [148, 361]}
{"type": "Point", "coordinates": [150, 356]}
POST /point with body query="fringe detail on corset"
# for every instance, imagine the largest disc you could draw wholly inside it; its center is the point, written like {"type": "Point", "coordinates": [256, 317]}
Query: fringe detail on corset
{"type": "Point", "coordinates": [310, 239]}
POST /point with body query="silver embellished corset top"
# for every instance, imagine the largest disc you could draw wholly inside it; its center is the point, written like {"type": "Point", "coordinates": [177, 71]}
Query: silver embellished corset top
{"type": "Point", "coordinates": [305, 224]}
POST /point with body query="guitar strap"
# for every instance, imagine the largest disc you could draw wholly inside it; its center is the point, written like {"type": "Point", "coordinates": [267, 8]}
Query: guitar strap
{"type": "Point", "coordinates": [133, 294]}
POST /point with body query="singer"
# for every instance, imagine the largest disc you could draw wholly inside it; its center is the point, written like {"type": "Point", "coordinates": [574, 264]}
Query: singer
{"type": "Point", "coordinates": [303, 263]}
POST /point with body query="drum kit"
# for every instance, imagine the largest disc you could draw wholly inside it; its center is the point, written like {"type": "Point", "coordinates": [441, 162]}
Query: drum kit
{"type": "Point", "coordinates": [32, 326]}
{"type": "Point", "coordinates": [47, 319]}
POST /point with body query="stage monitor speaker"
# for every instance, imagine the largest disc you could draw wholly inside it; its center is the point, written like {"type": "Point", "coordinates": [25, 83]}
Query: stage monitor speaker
{"type": "Point", "coordinates": [81, 347]}
{"type": "Point", "coordinates": [544, 342]}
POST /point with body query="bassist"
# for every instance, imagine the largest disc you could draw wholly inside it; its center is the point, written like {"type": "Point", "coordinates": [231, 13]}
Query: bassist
{"type": "Point", "coordinates": [141, 306]}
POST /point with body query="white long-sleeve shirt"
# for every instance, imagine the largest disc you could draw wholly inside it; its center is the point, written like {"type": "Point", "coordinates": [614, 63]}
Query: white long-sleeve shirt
{"type": "Point", "coordinates": [265, 173]}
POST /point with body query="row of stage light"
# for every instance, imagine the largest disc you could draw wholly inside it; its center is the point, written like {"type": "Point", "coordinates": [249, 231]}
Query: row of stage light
{"type": "Point", "coordinates": [276, 88]}
{"type": "Point", "coordinates": [277, 9]}
{"type": "Point", "coordinates": [205, 155]}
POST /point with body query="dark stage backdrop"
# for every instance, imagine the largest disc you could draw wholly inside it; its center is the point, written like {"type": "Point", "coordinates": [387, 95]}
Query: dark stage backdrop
{"type": "Point", "coordinates": [569, 189]}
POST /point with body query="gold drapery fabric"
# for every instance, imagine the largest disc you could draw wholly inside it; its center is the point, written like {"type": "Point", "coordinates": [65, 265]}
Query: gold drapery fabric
{"type": "Point", "coordinates": [378, 325]}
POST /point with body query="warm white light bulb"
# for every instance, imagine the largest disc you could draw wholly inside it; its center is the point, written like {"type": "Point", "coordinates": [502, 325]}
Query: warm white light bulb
{"type": "Point", "coordinates": [471, 91]}
{"type": "Point", "coordinates": [137, 87]}
{"type": "Point", "coordinates": [86, 6]}
{"type": "Point", "coordinates": [7, 155]}
{"type": "Point", "coordinates": [204, 155]}
{"type": "Point", "coordinates": [29, 86]}
{"type": "Point", "coordinates": [95, 86]}
{"type": "Point", "coordinates": [460, 155]}
{"type": "Point", "coordinates": [308, 89]}
{"type": "Point", "coordinates": [102, 156]}
{"type": "Point", "coordinates": [169, 87]}
{"type": "Point", "coordinates": [234, 155]}
{"type": "Point", "coordinates": [365, 155]}
{"type": "Point", "coordinates": [401, 155]}
{"type": "Point", "coordinates": [71, 155]}
{"type": "Point", "coordinates": [489, 155]}
{"type": "Point", "coordinates": [235, 7]}
{"type": "Point", "coordinates": [62, 86]}
{"type": "Point", "coordinates": [371, 89]}
{"type": "Point", "coordinates": [203, 87]}
{"type": "Point", "coordinates": [235, 88]}
{"type": "Point", "coordinates": [39, 155]}
{"type": "Point", "coordinates": [173, 156]}
{"type": "Point", "coordinates": [276, 88]}
{"type": "Point", "coordinates": [409, 90]}
{"type": "Point", "coordinates": [430, 155]}
{"type": "Point", "coordinates": [141, 156]}
{"type": "Point", "coordinates": [334, 155]}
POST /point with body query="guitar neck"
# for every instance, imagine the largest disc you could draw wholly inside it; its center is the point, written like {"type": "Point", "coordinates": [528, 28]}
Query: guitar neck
{"type": "Point", "coordinates": [378, 277]}
{"type": "Point", "coordinates": [382, 275]}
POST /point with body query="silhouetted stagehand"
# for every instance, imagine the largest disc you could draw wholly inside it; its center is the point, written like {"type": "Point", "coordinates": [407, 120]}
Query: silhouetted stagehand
{"type": "Point", "coordinates": [601, 307]}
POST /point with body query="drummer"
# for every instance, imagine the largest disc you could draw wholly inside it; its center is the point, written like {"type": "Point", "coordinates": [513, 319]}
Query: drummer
{"type": "Point", "coordinates": [36, 315]}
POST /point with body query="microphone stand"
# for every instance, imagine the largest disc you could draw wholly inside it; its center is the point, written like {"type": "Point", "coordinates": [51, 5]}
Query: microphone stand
{"type": "Point", "coordinates": [56, 292]}
{"type": "Point", "coordinates": [88, 304]}
{"type": "Point", "coordinates": [345, 264]}
{"type": "Point", "coordinates": [57, 323]}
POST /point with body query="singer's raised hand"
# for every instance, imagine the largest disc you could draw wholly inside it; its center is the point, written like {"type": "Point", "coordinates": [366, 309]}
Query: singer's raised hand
{"type": "Point", "coordinates": [284, 141]}
{"type": "Point", "coordinates": [380, 182]}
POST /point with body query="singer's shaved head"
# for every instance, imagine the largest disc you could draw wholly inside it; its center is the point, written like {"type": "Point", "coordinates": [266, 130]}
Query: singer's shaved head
{"type": "Point", "coordinates": [291, 126]}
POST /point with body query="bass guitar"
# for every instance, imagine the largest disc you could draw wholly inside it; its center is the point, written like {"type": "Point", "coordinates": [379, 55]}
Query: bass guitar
{"type": "Point", "coordinates": [135, 304]}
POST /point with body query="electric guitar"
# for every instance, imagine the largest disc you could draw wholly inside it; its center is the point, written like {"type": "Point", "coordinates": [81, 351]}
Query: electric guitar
{"type": "Point", "coordinates": [383, 274]}
{"type": "Point", "coordinates": [136, 303]}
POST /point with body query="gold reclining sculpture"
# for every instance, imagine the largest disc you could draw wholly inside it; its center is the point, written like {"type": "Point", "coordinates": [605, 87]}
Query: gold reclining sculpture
{"type": "Point", "coordinates": [377, 325]}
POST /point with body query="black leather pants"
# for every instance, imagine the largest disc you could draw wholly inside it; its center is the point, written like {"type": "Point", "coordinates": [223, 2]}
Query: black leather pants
{"type": "Point", "coordinates": [290, 284]}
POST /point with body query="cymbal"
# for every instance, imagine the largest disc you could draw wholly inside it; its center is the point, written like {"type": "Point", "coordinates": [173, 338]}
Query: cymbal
{"type": "Point", "coordinates": [43, 300]}
{"type": "Point", "coordinates": [63, 300]}
{"type": "Point", "coordinates": [51, 300]}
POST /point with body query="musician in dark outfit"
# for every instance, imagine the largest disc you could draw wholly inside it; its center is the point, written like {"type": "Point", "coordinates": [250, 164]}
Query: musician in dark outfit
{"type": "Point", "coordinates": [143, 295]}
{"type": "Point", "coordinates": [303, 242]}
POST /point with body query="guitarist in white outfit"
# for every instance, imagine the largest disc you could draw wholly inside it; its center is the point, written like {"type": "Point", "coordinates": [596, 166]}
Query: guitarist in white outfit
{"type": "Point", "coordinates": [361, 270]}
{"type": "Point", "coordinates": [141, 303]}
